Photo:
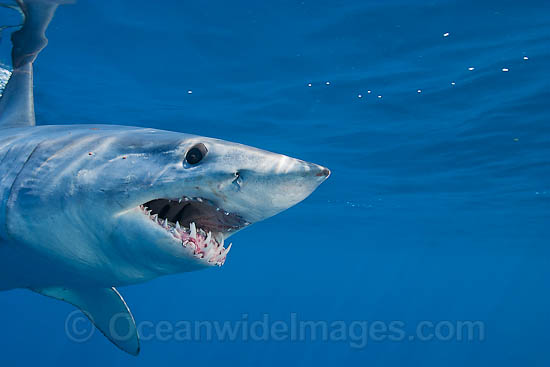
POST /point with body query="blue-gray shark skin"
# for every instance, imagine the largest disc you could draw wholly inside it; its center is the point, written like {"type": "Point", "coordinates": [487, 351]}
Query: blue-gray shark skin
{"type": "Point", "coordinates": [86, 208]}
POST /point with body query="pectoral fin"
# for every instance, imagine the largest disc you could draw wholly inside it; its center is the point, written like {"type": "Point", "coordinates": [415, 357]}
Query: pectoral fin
{"type": "Point", "coordinates": [106, 309]}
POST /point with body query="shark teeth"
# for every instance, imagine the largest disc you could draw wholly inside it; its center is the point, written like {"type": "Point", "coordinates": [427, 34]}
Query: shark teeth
{"type": "Point", "coordinates": [193, 230]}
{"type": "Point", "coordinates": [203, 245]}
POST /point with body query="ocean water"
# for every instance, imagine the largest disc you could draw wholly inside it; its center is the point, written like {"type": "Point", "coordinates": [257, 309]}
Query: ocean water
{"type": "Point", "coordinates": [434, 119]}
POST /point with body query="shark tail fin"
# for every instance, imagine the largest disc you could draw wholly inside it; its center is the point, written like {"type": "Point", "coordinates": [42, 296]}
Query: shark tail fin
{"type": "Point", "coordinates": [17, 102]}
{"type": "Point", "coordinates": [106, 309]}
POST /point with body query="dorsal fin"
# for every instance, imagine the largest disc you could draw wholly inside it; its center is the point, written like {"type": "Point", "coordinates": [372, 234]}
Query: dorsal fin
{"type": "Point", "coordinates": [17, 102]}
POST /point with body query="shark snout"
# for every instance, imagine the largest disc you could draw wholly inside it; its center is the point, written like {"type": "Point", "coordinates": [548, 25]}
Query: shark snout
{"type": "Point", "coordinates": [256, 184]}
{"type": "Point", "coordinates": [324, 172]}
{"type": "Point", "coordinates": [320, 171]}
{"type": "Point", "coordinates": [285, 187]}
{"type": "Point", "coordinates": [312, 171]}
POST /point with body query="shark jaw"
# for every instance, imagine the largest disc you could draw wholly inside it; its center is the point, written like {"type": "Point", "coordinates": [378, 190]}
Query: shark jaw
{"type": "Point", "coordinates": [195, 224]}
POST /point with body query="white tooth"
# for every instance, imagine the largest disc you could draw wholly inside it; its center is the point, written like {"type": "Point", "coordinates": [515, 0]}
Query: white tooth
{"type": "Point", "coordinates": [223, 253]}
{"type": "Point", "coordinates": [246, 223]}
{"type": "Point", "coordinates": [218, 209]}
{"type": "Point", "coordinates": [193, 229]}
{"type": "Point", "coordinates": [209, 252]}
{"type": "Point", "coordinates": [165, 224]}
{"type": "Point", "coordinates": [186, 198]}
{"type": "Point", "coordinates": [209, 238]}
{"type": "Point", "coordinates": [199, 200]}
{"type": "Point", "coordinates": [221, 243]}
{"type": "Point", "coordinates": [178, 226]}
{"type": "Point", "coordinates": [179, 201]}
{"type": "Point", "coordinates": [154, 216]}
{"type": "Point", "coordinates": [226, 213]}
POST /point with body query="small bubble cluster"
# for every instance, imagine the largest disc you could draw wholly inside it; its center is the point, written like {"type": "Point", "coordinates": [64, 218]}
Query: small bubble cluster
{"type": "Point", "coordinates": [360, 95]}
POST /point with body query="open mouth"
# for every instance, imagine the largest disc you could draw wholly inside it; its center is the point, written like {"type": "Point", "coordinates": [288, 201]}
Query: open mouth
{"type": "Point", "coordinates": [197, 224]}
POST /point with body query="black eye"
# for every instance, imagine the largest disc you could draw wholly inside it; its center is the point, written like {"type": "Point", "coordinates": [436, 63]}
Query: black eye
{"type": "Point", "coordinates": [196, 154]}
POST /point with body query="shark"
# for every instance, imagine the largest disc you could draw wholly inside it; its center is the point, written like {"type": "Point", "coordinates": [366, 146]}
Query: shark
{"type": "Point", "coordinates": [88, 208]}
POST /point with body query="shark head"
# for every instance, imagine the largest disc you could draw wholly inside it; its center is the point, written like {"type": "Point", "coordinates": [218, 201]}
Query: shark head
{"type": "Point", "coordinates": [193, 193]}
{"type": "Point", "coordinates": [151, 202]}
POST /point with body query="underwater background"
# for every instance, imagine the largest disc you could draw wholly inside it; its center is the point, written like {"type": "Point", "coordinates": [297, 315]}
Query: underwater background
{"type": "Point", "coordinates": [434, 119]}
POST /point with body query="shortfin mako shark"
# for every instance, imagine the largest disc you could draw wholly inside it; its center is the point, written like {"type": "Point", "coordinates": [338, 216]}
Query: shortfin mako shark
{"type": "Point", "coordinates": [86, 208]}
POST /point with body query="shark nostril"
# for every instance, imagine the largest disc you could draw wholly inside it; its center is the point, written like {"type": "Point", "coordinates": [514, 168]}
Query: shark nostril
{"type": "Point", "coordinates": [237, 180]}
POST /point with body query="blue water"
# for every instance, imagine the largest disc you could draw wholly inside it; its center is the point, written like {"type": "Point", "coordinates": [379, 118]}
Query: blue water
{"type": "Point", "coordinates": [437, 209]}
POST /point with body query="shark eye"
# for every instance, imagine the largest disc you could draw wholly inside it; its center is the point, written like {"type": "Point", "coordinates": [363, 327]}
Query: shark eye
{"type": "Point", "coordinates": [196, 154]}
